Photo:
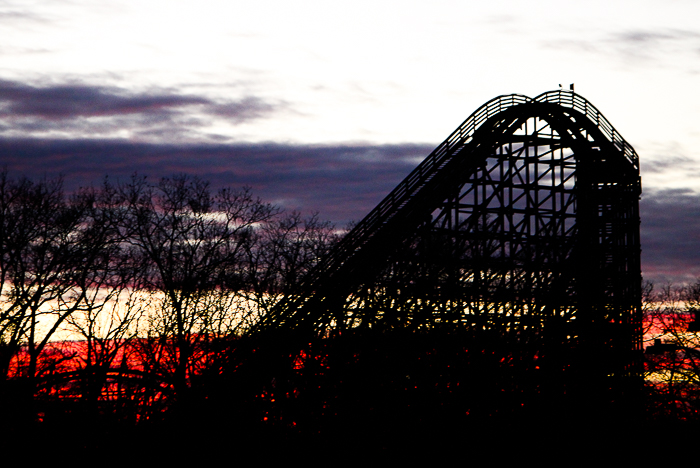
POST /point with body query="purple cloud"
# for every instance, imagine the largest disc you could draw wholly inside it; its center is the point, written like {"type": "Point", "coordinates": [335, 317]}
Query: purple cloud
{"type": "Point", "coordinates": [635, 46]}
{"type": "Point", "coordinates": [341, 182]}
{"type": "Point", "coordinates": [670, 235]}
{"type": "Point", "coordinates": [28, 109]}
{"type": "Point", "coordinates": [246, 109]}
{"type": "Point", "coordinates": [646, 37]}
{"type": "Point", "coordinates": [70, 101]}
{"type": "Point", "coordinates": [668, 163]}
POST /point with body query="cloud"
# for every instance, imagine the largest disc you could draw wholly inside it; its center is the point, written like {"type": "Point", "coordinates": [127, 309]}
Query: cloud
{"type": "Point", "coordinates": [70, 101]}
{"type": "Point", "coordinates": [246, 109]}
{"type": "Point", "coordinates": [642, 46]}
{"type": "Point", "coordinates": [653, 38]}
{"type": "Point", "coordinates": [21, 16]}
{"type": "Point", "coordinates": [342, 182]}
{"type": "Point", "coordinates": [635, 46]}
{"type": "Point", "coordinates": [75, 109]}
{"type": "Point", "coordinates": [668, 164]}
{"type": "Point", "coordinates": [670, 235]}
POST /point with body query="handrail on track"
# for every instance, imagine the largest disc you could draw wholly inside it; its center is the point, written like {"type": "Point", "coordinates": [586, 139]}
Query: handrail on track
{"type": "Point", "coordinates": [582, 105]}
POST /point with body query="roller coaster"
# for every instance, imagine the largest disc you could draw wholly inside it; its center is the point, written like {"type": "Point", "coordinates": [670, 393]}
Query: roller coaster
{"type": "Point", "coordinates": [498, 284]}
{"type": "Point", "coordinates": [525, 218]}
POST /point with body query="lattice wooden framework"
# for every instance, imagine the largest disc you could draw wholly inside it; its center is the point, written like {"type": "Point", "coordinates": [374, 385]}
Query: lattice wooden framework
{"type": "Point", "coordinates": [525, 219]}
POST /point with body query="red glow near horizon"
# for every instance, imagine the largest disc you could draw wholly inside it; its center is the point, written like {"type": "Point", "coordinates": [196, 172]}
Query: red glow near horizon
{"type": "Point", "coordinates": [61, 365]}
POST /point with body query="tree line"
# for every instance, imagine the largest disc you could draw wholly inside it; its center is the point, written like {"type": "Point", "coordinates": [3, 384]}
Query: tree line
{"type": "Point", "coordinates": [144, 277]}
{"type": "Point", "coordinates": [153, 281]}
{"type": "Point", "coordinates": [672, 351]}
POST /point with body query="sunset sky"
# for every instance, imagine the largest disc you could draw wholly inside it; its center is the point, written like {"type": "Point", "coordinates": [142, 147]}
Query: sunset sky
{"type": "Point", "coordinates": [326, 105]}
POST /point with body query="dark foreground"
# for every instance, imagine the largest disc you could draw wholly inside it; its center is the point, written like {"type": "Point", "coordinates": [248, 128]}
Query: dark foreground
{"type": "Point", "coordinates": [353, 398]}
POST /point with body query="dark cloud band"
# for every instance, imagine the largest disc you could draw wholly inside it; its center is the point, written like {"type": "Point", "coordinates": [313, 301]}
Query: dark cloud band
{"type": "Point", "coordinates": [70, 101]}
{"type": "Point", "coordinates": [80, 109]}
{"type": "Point", "coordinates": [670, 235]}
{"type": "Point", "coordinates": [341, 182]}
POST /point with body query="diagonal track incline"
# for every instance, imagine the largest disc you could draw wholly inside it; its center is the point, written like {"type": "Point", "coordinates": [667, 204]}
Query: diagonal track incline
{"type": "Point", "coordinates": [336, 274]}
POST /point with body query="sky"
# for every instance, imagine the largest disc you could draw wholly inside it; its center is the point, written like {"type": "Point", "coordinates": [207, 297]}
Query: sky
{"type": "Point", "coordinates": [324, 107]}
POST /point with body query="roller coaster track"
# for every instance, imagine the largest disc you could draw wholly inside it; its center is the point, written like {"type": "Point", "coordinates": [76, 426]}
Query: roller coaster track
{"type": "Point", "coordinates": [411, 198]}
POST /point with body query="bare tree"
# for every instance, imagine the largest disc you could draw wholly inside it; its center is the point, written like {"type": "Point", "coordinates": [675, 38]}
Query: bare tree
{"type": "Point", "coordinates": [192, 245]}
{"type": "Point", "coordinates": [159, 270]}
{"type": "Point", "coordinates": [49, 245]}
{"type": "Point", "coordinates": [112, 308]}
{"type": "Point", "coordinates": [673, 357]}
{"type": "Point", "coordinates": [284, 250]}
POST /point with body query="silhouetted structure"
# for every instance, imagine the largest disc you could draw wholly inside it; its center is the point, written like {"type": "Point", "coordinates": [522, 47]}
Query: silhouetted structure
{"type": "Point", "coordinates": [498, 283]}
{"type": "Point", "coordinates": [517, 237]}
{"type": "Point", "coordinates": [527, 214]}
